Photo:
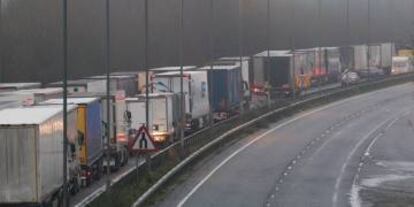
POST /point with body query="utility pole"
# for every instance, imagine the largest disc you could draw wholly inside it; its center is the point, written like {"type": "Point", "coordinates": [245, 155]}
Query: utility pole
{"type": "Point", "coordinates": [65, 100]}
{"type": "Point", "coordinates": [348, 34]}
{"type": "Point", "coordinates": [108, 92]}
{"type": "Point", "coordinates": [181, 60]}
{"type": "Point", "coordinates": [2, 64]}
{"type": "Point", "coordinates": [369, 39]}
{"type": "Point", "coordinates": [240, 26]}
{"type": "Point", "coordinates": [292, 48]}
{"type": "Point", "coordinates": [212, 48]}
{"type": "Point", "coordinates": [319, 43]}
{"type": "Point", "coordinates": [146, 51]}
{"type": "Point", "coordinates": [267, 62]}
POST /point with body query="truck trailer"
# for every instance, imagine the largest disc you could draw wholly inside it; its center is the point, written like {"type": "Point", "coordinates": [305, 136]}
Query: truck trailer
{"type": "Point", "coordinates": [32, 158]}
{"type": "Point", "coordinates": [89, 130]}
{"type": "Point", "coordinates": [164, 115]}
{"type": "Point", "coordinates": [81, 85]}
{"type": "Point", "coordinates": [196, 94]}
{"type": "Point", "coordinates": [4, 87]}
{"type": "Point", "coordinates": [126, 85]}
{"type": "Point", "coordinates": [225, 89]}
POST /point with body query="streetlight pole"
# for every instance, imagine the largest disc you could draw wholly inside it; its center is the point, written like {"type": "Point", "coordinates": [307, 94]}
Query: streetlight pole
{"type": "Point", "coordinates": [65, 100]}
{"type": "Point", "coordinates": [369, 39]}
{"type": "Point", "coordinates": [146, 51]}
{"type": "Point", "coordinates": [348, 33]}
{"type": "Point", "coordinates": [268, 66]}
{"type": "Point", "coordinates": [212, 46]}
{"type": "Point", "coordinates": [2, 64]}
{"type": "Point", "coordinates": [240, 26]}
{"type": "Point", "coordinates": [181, 60]}
{"type": "Point", "coordinates": [108, 92]}
{"type": "Point", "coordinates": [319, 43]}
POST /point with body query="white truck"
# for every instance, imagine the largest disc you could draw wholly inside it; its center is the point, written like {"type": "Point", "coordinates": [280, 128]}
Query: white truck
{"type": "Point", "coordinates": [196, 94]}
{"type": "Point", "coordinates": [164, 114]}
{"type": "Point", "coordinates": [402, 64]}
{"type": "Point", "coordinates": [32, 158]}
{"type": "Point", "coordinates": [140, 77]}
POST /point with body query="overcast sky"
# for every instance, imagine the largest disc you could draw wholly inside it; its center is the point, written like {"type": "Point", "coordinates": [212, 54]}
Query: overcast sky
{"type": "Point", "coordinates": [30, 35]}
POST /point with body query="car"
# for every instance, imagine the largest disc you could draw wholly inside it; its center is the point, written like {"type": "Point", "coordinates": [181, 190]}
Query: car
{"type": "Point", "coordinates": [349, 77]}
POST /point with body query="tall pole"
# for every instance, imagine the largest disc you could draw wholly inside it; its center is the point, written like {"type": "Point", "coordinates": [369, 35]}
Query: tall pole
{"type": "Point", "coordinates": [319, 42]}
{"type": "Point", "coordinates": [148, 85]}
{"type": "Point", "coordinates": [369, 39]}
{"type": "Point", "coordinates": [108, 92]}
{"type": "Point", "coordinates": [292, 48]}
{"type": "Point", "coordinates": [2, 64]}
{"type": "Point", "coordinates": [65, 100]}
{"type": "Point", "coordinates": [348, 33]}
{"type": "Point", "coordinates": [181, 60]}
{"type": "Point", "coordinates": [268, 22]}
{"type": "Point", "coordinates": [240, 26]}
{"type": "Point", "coordinates": [212, 48]}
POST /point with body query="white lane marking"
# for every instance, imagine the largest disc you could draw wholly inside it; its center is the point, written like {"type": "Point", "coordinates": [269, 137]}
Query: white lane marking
{"type": "Point", "coordinates": [348, 158]}
{"type": "Point", "coordinates": [355, 200]}
{"type": "Point", "coordinates": [211, 173]}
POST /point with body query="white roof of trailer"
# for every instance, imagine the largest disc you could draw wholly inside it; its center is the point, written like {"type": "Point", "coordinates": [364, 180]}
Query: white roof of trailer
{"type": "Point", "coordinates": [20, 85]}
{"type": "Point", "coordinates": [177, 73]}
{"type": "Point", "coordinates": [29, 115]}
{"type": "Point", "coordinates": [272, 53]}
{"type": "Point", "coordinates": [86, 100]}
{"type": "Point", "coordinates": [100, 77]}
{"type": "Point", "coordinates": [220, 67]}
{"type": "Point", "coordinates": [155, 95]}
{"type": "Point", "coordinates": [78, 82]}
{"type": "Point", "coordinates": [173, 68]}
{"type": "Point", "coordinates": [40, 91]}
{"type": "Point", "coordinates": [235, 58]}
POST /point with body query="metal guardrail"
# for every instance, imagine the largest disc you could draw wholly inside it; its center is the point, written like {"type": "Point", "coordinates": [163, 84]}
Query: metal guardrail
{"type": "Point", "coordinates": [203, 140]}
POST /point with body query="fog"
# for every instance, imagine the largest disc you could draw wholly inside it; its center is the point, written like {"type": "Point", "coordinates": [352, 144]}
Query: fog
{"type": "Point", "coordinates": [31, 37]}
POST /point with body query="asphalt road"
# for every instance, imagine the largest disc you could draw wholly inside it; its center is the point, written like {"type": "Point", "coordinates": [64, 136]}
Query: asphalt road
{"type": "Point", "coordinates": [336, 155]}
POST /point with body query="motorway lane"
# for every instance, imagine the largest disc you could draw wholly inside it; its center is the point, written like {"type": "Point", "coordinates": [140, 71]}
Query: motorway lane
{"type": "Point", "coordinates": [248, 172]}
{"type": "Point", "coordinates": [386, 175]}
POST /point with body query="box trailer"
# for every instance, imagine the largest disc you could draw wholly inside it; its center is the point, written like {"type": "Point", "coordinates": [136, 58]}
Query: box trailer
{"type": "Point", "coordinates": [31, 161]}
{"type": "Point", "coordinates": [30, 97]}
{"type": "Point", "coordinates": [225, 89]}
{"type": "Point", "coordinates": [387, 52]}
{"type": "Point", "coordinates": [263, 68]}
{"type": "Point", "coordinates": [402, 64]}
{"type": "Point", "coordinates": [165, 113]}
{"type": "Point", "coordinates": [246, 70]}
{"type": "Point", "coordinates": [140, 78]}
{"type": "Point", "coordinates": [119, 84]}
{"type": "Point", "coordinates": [80, 85]}
{"type": "Point", "coordinates": [196, 94]}
{"type": "Point", "coordinates": [333, 63]}
{"type": "Point", "coordinates": [360, 57]}
{"type": "Point", "coordinates": [89, 126]}
{"type": "Point", "coordinates": [118, 145]}
{"type": "Point", "coordinates": [374, 52]}
{"type": "Point", "coordinates": [18, 86]}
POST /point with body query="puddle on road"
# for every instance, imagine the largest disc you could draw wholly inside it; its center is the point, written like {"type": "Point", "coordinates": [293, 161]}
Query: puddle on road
{"type": "Point", "coordinates": [391, 184]}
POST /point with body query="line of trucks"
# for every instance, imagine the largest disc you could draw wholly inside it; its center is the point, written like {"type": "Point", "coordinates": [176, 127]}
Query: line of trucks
{"type": "Point", "coordinates": [31, 117]}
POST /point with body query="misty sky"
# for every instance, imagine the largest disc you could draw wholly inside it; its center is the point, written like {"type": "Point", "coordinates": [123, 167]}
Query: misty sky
{"type": "Point", "coordinates": [30, 31]}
